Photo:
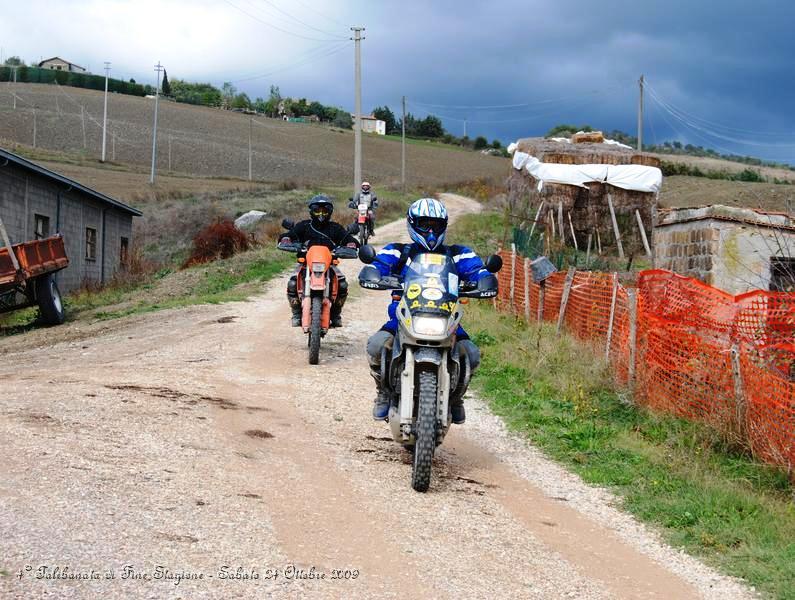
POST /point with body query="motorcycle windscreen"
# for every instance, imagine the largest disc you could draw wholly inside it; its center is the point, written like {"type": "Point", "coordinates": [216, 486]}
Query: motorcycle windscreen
{"type": "Point", "coordinates": [430, 284]}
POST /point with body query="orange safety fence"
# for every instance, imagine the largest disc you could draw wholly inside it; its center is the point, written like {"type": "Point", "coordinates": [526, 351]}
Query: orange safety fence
{"type": "Point", "coordinates": [684, 347]}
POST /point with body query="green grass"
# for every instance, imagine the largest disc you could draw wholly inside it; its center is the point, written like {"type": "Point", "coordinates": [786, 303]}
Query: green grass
{"type": "Point", "coordinates": [714, 502]}
{"type": "Point", "coordinates": [703, 494]}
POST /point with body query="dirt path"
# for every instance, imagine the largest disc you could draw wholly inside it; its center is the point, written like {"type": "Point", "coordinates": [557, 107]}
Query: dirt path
{"type": "Point", "coordinates": [200, 439]}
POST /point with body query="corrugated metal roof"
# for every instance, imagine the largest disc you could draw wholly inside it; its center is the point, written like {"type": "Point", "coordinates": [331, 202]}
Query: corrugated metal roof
{"type": "Point", "coordinates": [33, 167]}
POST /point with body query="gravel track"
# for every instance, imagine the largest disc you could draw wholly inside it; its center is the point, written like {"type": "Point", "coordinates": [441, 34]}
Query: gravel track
{"type": "Point", "coordinates": [198, 438]}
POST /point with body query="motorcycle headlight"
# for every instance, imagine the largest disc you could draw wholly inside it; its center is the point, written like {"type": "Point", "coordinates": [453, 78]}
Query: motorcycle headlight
{"type": "Point", "coordinates": [318, 267]}
{"type": "Point", "coordinates": [430, 325]}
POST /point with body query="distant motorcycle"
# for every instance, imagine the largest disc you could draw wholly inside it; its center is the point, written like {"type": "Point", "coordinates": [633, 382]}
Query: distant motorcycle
{"type": "Point", "coordinates": [365, 219]}
{"type": "Point", "coordinates": [317, 287]}
{"type": "Point", "coordinates": [424, 365]}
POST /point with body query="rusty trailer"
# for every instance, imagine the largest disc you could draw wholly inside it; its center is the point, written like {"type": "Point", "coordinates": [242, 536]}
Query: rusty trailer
{"type": "Point", "coordinates": [27, 275]}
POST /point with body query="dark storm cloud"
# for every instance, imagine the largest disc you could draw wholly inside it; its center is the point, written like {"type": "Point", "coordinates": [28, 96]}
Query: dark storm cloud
{"type": "Point", "coordinates": [726, 62]}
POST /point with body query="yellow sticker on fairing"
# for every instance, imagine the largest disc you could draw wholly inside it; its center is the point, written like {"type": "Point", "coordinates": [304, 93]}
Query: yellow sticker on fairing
{"type": "Point", "coordinates": [431, 259]}
{"type": "Point", "coordinates": [413, 291]}
{"type": "Point", "coordinates": [415, 304]}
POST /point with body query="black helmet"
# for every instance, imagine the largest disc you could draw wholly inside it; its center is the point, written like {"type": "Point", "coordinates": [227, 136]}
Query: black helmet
{"type": "Point", "coordinates": [320, 209]}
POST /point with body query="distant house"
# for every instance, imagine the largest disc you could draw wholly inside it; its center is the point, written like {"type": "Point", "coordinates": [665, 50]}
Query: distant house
{"type": "Point", "coordinates": [372, 125]}
{"type": "Point", "coordinates": [37, 203]}
{"type": "Point", "coordinates": [58, 64]}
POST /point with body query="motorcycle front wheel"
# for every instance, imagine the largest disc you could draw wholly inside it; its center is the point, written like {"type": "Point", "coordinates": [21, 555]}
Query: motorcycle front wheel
{"type": "Point", "coordinates": [425, 436]}
{"type": "Point", "coordinates": [363, 234]}
{"type": "Point", "coordinates": [314, 330]}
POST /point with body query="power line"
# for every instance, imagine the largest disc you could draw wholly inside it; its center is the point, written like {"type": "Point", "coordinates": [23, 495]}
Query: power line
{"type": "Point", "coordinates": [317, 53]}
{"type": "Point", "coordinates": [269, 3]}
{"type": "Point", "coordinates": [320, 14]}
{"type": "Point", "coordinates": [272, 26]}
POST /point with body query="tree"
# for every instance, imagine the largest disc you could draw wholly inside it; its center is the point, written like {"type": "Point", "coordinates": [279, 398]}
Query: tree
{"type": "Point", "coordinates": [496, 144]}
{"type": "Point", "coordinates": [228, 91]}
{"type": "Point", "coordinates": [260, 105]}
{"type": "Point", "coordinates": [431, 127]}
{"type": "Point", "coordinates": [14, 61]}
{"type": "Point", "coordinates": [241, 100]}
{"type": "Point", "coordinates": [387, 116]}
{"type": "Point", "coordinates": [481, 143]}
{"type": "Point", "coordinates": [274, 98]}
{"type": "Point", "coordinates": [165, 87]}
{"type": "Point", "coordinates": [343, 119]}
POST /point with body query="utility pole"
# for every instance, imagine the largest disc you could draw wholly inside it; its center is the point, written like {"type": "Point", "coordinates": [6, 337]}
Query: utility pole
{"type": "Point", "coordinates": [34, 126]}
{"type": "Point", "coordinates": [83, 121]}
{"type": "Point", "coordinates": [169, 152]}
{"type": "Point", "coordinates": [105, 111]}
{"type": "Point", "coordinates": [250, 126]}
{"type": "Point", "coordinates": [15, 87]}
{"type": "Point", "coordinates": [403, 148]}
{"type": "Point", "coordinates": [640, 115]}
{"type": "Point", "coordinates": [158, 68]}
{"type": "Point", "coordinates": [357, 123]}
{"type": "Point", "coordinates": [465, 127]}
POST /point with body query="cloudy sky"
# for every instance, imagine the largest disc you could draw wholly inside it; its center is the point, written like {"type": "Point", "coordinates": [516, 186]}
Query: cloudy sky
{"type": "Point", "coordinates": [719, 72]}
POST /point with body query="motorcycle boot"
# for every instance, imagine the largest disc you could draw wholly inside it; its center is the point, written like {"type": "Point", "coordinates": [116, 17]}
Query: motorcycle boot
{"type": "Point", "coordinates": [457, 411]}
{"type": "Point", "coordinates": [294, 301]}
{"type": "Point", "coordinates": [342, 296]}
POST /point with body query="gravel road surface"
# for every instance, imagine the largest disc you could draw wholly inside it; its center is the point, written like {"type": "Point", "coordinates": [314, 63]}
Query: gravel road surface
{"type": "Point", "coordinates": [195, 454]}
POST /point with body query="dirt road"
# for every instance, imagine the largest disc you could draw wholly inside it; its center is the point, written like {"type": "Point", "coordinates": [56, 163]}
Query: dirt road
{"type": "Point", "coordinates": [199, 442]}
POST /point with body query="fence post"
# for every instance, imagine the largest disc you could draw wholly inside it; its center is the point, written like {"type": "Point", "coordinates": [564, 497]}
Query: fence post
{"type": "Point", "coordinates": [565, 298]}
{"type": "Point", "coordinates": [542, 288]}
{"type": "Point", "coordinates": [573, 237]}
{"type": "Point", "coordinates": [615, 226]}
{"type": "Point", "coordinates": [739, 395]}
{"type": "Point", "coordinates": [612, 316]}
{"type": "Point", "coordinates": [527, 290]}
{"type": "Point", "coordinates": [632, 296]}
{"type": "Point", "coordinates": [561, 227]}
{"type": "Point", "coordinates": [513, 273]}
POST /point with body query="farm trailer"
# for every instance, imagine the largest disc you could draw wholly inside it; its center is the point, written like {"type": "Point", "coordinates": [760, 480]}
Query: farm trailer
{"type": "Point", "coordinates": [27, 275]}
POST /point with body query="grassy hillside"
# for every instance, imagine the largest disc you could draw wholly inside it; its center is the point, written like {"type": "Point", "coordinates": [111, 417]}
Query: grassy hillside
{"type": "Point", "coordinates": [212, 142]}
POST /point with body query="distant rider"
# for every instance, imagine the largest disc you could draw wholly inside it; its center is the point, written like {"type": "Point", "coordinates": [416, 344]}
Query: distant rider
{"type": "Point", "coordinates": [319, 229]}
{"type": "Point", "coordinates": [427, 225]}
{"type": "Point", "coordinates": [366, 196]}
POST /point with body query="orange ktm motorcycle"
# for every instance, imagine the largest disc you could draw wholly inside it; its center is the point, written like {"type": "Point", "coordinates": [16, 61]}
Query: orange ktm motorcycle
{"type": "Point", "coordinates": [317, 287]}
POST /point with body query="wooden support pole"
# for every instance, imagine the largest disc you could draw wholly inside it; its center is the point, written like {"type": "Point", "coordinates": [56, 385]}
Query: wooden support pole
{"type": "Point", "coordinates": [598, 242]}
{"type": "Point", "coordinates": [574, 237]}
{"type": "Point", "coordinates": [561, 227]}
{"type": "Point", "coordinates": [612, 316]}
{"type": "Point", "coordinates": [565, 298]}
{"type": "Point", "coordinates": [588, 252]}
{"type": "Point", "coordinates": [632, 297]}
{"type": "Point", "coordinates": [513, 273]}
{"type": "Point", "coordinates": [535, 221]}
{"type": "Point", "coordinates": [11, 254]}
{"type": "Point", "coordinates": [527, 290]}
{"type": "Point", "coordinates": [552, 223]}
{"type": "Point", "coordinates": [615, 226]}
{"type": "Point", "coordinates": [643, 233]}
{"type": "Point", "coordinates": [739, 395]}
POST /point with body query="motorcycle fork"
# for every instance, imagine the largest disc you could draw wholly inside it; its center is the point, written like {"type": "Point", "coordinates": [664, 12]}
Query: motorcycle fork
{"type": "Point", "coordinates": [408, 406]}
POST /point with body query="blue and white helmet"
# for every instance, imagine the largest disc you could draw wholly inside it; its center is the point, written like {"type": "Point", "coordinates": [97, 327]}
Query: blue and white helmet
{"type": "Point", "coordinates": [427, 222]}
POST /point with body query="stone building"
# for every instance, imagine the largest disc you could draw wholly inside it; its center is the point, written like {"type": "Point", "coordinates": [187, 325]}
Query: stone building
{"type": "Point", "coordinates": [734, 249]}
{"type": "Point", "coordinates": [97, 229]}
{"type": "Point", "coordinates": [58, 64]}
{"type": "Point", "coordinates": [370, 124]}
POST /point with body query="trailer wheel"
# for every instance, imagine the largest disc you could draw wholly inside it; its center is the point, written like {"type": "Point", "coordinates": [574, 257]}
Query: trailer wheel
{"type": "Point", "coordinates": [49, 300]}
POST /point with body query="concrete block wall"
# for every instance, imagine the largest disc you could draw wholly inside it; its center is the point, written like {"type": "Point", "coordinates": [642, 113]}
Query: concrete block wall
{"type": "Point", "coordinates": [687, 249]}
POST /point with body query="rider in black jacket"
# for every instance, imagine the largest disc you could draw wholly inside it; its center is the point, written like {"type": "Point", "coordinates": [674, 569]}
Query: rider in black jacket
{"type": "Point", "coordinates": [319, 229]}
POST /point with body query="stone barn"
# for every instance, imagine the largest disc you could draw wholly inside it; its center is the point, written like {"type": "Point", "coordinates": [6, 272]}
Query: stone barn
{"type": "Point", "coordinates": [575, 180]}
{"type": "Point", "coordinates": [734, 249]}
{"type": "Point", "coordinates": [97, 229]}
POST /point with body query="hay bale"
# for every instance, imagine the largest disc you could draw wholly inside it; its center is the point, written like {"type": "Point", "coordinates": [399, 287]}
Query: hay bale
{"type": "Point", "coordinates": [588, 137]}
{"type": "Point", "coordinates": [583, 153]}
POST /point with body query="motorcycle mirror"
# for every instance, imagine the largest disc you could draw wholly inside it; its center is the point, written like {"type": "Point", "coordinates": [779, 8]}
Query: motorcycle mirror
{"type": "Point", "coordinates": [287, 223]}
{"type": "Point", "coordinates": [367, 254]}
{"type": "Point", "coordinates": [369, 277]}
{"type": "Point", "coordinates": [494, 263]}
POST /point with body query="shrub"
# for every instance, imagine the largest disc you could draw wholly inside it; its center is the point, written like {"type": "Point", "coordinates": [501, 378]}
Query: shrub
{"type": "Point", "coordinates": [218, 240]}
{"type": "Point", "coordinates": [481, 142]}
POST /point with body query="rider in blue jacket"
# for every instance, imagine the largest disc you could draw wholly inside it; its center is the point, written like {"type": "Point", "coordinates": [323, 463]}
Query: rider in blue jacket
{"type": "Point", "coordinates": [427, 225]}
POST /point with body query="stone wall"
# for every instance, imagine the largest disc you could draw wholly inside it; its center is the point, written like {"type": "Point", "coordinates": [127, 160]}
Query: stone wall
{"type": "Point", "coordinates": [687, 249]}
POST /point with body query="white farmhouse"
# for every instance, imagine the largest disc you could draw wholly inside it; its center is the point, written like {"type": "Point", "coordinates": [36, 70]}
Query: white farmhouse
{"type": "Point", "coordinates": [59, 64]}
{"type": "Point", "coordinates": [372, 125]}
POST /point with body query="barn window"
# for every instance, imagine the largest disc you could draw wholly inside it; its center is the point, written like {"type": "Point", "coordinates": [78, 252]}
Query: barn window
{"type": "Point", "coordinates": [41, 226]}
{"type": "Point", "coordinates": [124, 253]}
{"type": "Point", "coordinates": [91, 243]}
